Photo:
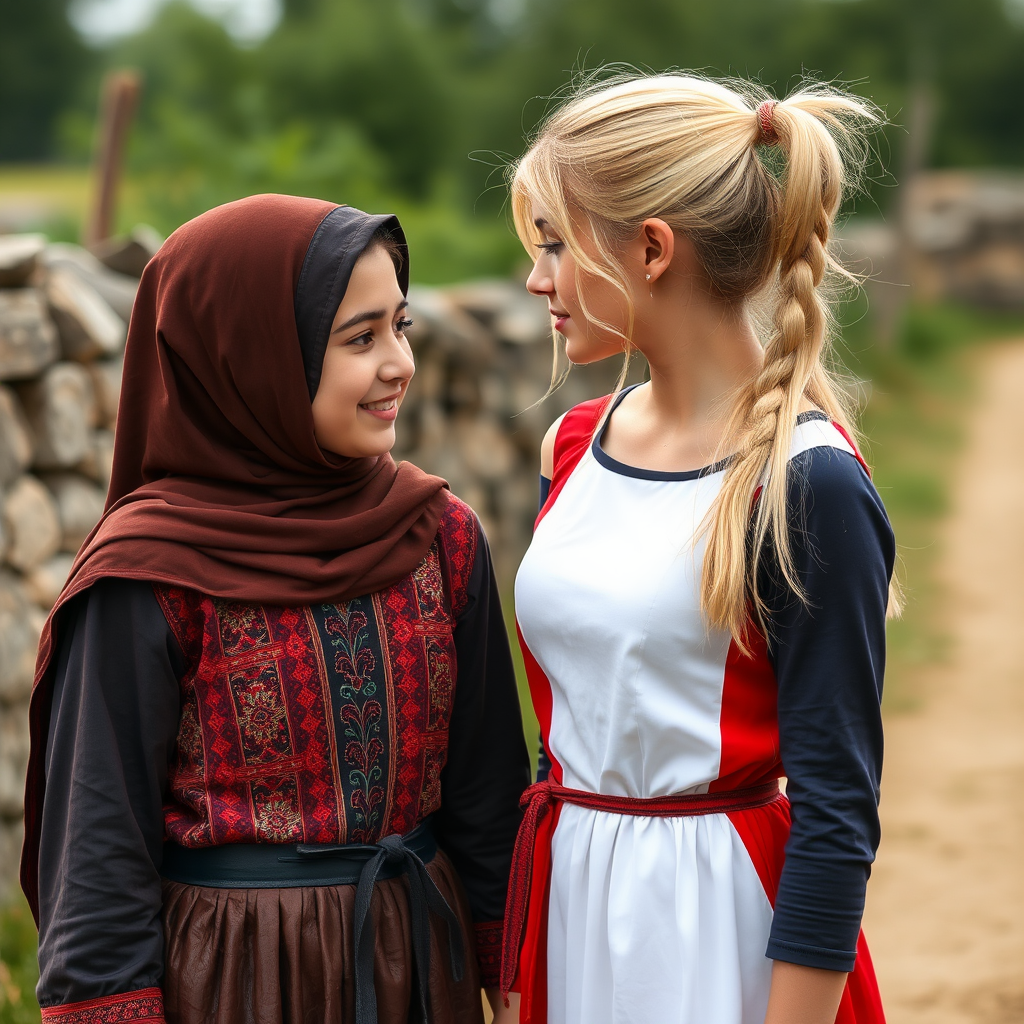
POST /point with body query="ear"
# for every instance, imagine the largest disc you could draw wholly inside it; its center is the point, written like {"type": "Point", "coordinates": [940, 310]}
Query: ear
{"type": "Point", "coordinates": [659, 246]}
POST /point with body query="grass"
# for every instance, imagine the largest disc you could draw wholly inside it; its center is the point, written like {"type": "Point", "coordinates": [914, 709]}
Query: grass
{"type": "Point", "coordinates": [922, 391]}
{"type": "Point", "coordinates": [53, 198]}
{"type": "Point", "coordinates": [18, 969]}
{"type": "Point", "coordinates": [450, 244]}
{"type": "Point", "coordinates": [913, 442]}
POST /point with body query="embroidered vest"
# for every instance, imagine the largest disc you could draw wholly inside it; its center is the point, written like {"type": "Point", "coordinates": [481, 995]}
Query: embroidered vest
{"type": "Point", "coordinates": [319, 724]}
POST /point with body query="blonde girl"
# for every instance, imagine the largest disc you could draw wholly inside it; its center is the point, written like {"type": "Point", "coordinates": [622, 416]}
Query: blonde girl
{"type": "Point", "coordinates": [702, 609]}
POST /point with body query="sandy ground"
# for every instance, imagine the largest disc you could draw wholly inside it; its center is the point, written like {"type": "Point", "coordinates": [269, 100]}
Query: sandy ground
{"type": "Point", "coordinates": [945, 916]}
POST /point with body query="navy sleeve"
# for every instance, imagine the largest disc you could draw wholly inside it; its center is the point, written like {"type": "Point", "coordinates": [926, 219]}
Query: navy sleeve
{"type": "Point", "coordinates": [543, 761]}
{"type": "Point", "coordinates": [488, 766]}
{"type": "Point", "coordinates": [113, 726]}
{"type": "Point", "coordinates": [829, 658]}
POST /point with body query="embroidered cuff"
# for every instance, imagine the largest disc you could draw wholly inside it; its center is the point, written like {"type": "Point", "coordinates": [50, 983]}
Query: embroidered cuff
{"type": "Point", "coordinates": [488, 951]}
{"type": "Point", "coordinates": [143, 1006]}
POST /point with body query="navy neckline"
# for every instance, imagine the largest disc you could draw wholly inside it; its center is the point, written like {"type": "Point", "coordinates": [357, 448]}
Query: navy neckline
{"type": "Point", "coordinates": [637, 473]}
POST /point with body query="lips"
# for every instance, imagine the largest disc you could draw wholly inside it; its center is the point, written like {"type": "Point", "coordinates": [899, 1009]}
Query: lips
{"type": "Point", "coordinates": [383, 409]}
{"type": "Point", "coordinates": [560, 318]}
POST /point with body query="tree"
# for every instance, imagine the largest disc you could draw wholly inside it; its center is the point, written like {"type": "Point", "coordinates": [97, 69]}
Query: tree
{"type": "Point", "coordinates": [42, 61]}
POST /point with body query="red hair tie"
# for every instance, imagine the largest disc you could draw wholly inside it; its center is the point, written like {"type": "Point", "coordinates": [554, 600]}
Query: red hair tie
{"type": "Point", "coordinates": [765, 113]}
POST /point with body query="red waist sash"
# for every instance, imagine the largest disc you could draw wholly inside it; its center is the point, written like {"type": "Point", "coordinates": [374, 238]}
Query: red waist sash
{"type": "Point", "coordinates": [541, 798]}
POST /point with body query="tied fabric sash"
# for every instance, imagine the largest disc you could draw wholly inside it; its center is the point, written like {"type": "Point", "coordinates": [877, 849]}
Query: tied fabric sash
{"type": "Point", "coordinates": [424, 896]}
{"type": "Point", "coordinates": [272, 866]}
{"type": "Point", "coordinates": [525, 904]}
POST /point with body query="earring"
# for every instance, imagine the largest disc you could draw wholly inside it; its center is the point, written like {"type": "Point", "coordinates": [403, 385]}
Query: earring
{"type": "Point", "coordinates": [650, 287]}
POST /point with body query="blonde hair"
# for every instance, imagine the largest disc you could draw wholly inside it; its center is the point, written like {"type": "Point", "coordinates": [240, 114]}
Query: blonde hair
{"type": "Point", "coordinates": [690, 151]}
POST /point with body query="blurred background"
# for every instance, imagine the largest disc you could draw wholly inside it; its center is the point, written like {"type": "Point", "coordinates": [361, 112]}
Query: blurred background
{"type": "Point", "coordinates": [121, 119]}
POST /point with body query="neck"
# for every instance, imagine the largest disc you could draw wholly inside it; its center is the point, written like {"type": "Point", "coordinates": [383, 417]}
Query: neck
{"type": "Point", "coordinates": [701, 351]}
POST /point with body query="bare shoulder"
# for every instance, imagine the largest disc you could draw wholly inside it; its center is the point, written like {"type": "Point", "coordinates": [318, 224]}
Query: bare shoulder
{"type": "Point", "coordinates": [547, 448]}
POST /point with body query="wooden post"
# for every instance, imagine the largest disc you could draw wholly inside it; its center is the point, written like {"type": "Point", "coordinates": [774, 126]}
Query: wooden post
{"type": "Point", "coordinates": [119, 96]}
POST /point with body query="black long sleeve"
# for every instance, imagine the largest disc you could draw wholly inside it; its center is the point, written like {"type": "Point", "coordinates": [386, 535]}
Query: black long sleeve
{"type": "Point", "coordinates": [543, 761]}
{"type": "Point", "coordinates": [829, 659]}
{"type": "Point", "coordinates": [488, 766]}
{"type": "Point", "coordinates": [112, 731]}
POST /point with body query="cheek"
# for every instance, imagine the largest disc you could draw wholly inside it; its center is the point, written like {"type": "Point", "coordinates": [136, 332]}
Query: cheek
{"type": "Point", "coordinates": [341, 388]}
{"type": "Point", "coordinates": [565, 283]}
{"type": "Point", "coordinates": [604, 301]}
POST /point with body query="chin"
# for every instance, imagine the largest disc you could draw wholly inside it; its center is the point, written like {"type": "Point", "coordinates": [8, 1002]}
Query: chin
{"type": "Point", "coordinates": [361, 447]}
{"type": "Point", "coordinates": [372, 451]}
{"type": "Point", "coordinates": [380, 445]}
{"type": "Point", "coordinates": [583, 352]}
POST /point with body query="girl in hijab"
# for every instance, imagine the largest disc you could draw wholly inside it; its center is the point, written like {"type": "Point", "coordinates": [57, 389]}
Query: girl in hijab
{"type": "Point", "coordinates": [277, 750]}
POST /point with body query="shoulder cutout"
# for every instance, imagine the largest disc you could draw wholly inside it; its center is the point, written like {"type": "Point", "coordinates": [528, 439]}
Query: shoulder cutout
{"type": "Point", "coordinates": [572, 439]}
{"type": "Point", "coordinates": [547, 447]}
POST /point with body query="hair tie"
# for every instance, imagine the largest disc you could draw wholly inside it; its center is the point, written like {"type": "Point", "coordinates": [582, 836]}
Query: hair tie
{"type": "Point", "coordinates": [767, 135]}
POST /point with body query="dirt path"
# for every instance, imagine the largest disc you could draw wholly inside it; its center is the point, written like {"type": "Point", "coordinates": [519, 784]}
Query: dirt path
{"type": "Point", "coordinates": [945, 912]}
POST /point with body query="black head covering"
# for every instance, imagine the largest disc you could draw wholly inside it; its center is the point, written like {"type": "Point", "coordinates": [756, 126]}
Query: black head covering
{"type": "Point", "coordinates": [341, 238]}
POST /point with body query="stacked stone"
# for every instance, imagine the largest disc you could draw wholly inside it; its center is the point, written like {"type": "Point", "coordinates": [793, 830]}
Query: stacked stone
{"type": "Point", "coordinates": [474, 412]}
{"type": "Point", "coordinates": [484, 359]}
{"type": "Point", "coordinates": [63, 322]}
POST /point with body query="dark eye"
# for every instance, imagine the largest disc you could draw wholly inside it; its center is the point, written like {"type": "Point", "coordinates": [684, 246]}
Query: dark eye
{"type": "Point", "coordinates": [549, 246]}
{"type": "Point", "coordinates": [362, 340]}
{"type": "Point", "coordinates": [403, 325]}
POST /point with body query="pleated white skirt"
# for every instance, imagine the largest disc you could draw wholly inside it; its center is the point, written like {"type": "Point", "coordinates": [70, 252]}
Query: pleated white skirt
{"type": "Point", "coordinates": [655, 921]}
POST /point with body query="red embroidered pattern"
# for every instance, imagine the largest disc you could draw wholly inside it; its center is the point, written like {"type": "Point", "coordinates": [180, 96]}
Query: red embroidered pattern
{"type": "Point", "coordinates": [267, 753]}
{"type": "Point", "coordinates": [255, 760]}
{"type": "Point", "coordinates": [144, 1006]}
{"type": "Point", "coordinates": [459, 536]}
{"type": "Point", "coordinates": [488, 952]}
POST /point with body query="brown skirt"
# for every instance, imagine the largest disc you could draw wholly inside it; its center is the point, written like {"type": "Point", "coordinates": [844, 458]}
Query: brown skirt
{"type": "Point", "coordinates": [285, 956]}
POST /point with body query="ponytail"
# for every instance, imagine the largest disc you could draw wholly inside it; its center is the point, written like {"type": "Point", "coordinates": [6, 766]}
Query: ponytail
{"type": "Point", "coordinates": [807, 128]}
{"type": "Point", "coordinates": [702, 155]}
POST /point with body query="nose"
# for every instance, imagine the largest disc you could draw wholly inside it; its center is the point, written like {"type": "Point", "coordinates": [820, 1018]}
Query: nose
{"type": "Point", "coordinates": [398, 364]}
{"type": "Point", "coordinates": [540, 282]}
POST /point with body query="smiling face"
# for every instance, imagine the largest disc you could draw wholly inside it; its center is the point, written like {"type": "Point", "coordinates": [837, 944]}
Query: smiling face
{"type": "Point", "coordinates": [368, 363]}
{"type": "Point", "coordinates": [554, 277]}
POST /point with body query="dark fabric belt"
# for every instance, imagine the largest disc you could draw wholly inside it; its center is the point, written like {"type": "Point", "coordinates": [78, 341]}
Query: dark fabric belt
{"type": "Point", "coordinates": [280, 866]}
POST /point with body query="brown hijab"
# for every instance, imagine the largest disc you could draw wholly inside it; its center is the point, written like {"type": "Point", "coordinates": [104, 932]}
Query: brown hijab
{"type": "Point", "coordinates": [218, 482]}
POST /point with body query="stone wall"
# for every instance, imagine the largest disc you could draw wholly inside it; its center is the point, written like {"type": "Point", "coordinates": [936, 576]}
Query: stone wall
{"type": "Point", "coordinates": [483, 352]}
{"type": "Point", "coordinates": [63, 317]}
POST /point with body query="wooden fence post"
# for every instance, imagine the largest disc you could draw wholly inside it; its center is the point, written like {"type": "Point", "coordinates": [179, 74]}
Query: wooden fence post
{"type": "Point", "coordinates": [119, 96]}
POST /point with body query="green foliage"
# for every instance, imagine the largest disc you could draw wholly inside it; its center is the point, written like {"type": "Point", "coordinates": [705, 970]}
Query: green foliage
{"type": "Point", "coordinates": [930, 332]}
{"type": "Point", "coordinates": [18, 968]}
{"type": "Point", "coordinates": [41, 61]}
{"type": "Point", "coordinates": [416, 105]}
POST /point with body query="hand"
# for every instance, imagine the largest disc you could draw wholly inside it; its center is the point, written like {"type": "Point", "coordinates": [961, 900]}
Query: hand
{"type": "Point", "coordinates": [503, 1014]}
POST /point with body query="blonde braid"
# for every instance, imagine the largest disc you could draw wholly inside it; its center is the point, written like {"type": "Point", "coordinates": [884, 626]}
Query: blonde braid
{"type": "Point", "coordinates": [792, 372]}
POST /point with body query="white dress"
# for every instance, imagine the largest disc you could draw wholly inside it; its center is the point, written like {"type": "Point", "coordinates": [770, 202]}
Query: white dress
{"type": "Point", "coordinates": [650, 920]}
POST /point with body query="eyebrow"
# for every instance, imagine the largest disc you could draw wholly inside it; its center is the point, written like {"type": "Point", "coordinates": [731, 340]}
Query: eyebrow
{"type": "Point", "coordinates": [540, 223]}
{"type": "Point", "coordinates": [372, 314]}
